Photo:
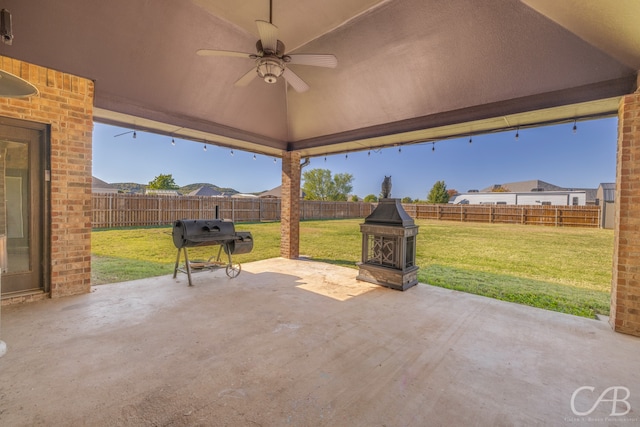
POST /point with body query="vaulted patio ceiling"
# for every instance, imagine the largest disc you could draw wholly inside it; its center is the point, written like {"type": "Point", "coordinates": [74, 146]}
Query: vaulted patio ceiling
{"type": "Point", "coordinates": [408, 70]}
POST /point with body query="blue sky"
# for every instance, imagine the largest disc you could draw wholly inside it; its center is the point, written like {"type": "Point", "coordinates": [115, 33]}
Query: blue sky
{"type": "Point", "coordinates": [553, 154]}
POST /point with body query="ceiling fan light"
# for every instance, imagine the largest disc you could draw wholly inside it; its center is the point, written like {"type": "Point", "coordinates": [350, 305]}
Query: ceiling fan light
{"type": "Point", "coordinates": [269, 69]}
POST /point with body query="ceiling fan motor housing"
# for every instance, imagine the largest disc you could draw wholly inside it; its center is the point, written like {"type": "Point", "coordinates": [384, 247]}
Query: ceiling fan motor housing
{"type": "Point", "coordinates": [269, 68]}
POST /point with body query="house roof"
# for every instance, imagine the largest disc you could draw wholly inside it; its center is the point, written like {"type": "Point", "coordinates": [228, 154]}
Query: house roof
{"type": "Point", "coordinates": [277, 193]}
{"type": "Point", "coordinates": [516, 64]}
{"type": "Point", "coordinates": [608, 191]}
{"type": "Point", "coordinates": [98, 183]}
{"type": "Point", "coordinates": [205, 191]}
{"type": "Point", "coordinates": [525, 186]}
{"type": "Point", "coordinates": [99, 186]}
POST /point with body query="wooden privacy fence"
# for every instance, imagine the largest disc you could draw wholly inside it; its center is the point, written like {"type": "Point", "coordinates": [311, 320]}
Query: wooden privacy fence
{"type": "Point", "coordinates": [551, 215]}
{"type": "Point", "coordinates": [126, 210]}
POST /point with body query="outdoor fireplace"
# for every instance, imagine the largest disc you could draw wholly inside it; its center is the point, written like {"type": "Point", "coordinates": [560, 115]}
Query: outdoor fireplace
{"type": "Point", "coordinates": [389, 247]}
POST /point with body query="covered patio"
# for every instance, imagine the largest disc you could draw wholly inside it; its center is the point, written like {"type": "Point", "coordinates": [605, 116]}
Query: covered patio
{"type": "Point", "coordinates": [292, 341]}
{"type": "Point", "coordinates": [302, 343]}
{"type": "Point", "coordinates": [406, 72]}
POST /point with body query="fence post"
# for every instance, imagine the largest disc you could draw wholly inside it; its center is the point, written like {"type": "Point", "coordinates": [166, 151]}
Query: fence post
{"type": "Point", "coordinates": [600, 222]}
{"type": "Point", "coordinates": [556, 216]}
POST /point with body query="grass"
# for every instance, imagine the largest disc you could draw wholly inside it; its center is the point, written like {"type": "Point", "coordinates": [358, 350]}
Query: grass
{"type": "Point", "coordinates": [561, 269]}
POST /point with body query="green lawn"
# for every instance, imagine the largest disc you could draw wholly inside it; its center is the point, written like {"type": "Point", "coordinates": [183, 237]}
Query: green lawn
{"type": "Point", "coordinates": [561, 269]}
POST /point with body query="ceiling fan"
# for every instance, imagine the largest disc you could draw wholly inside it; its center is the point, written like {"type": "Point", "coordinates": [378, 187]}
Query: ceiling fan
{"type": "Point", "coordinates": [271, 61]}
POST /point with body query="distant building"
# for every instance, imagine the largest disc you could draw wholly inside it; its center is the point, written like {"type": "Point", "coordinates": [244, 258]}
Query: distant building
{"type": "Point", "coordinates": [606, 197]}
{"type": "Point", "coordinates": [532, 192]}
{"type": "Point", "coordinates": [98, 186]}
{"type": "Point", "coordinates": [533, 185]}
{"type": "Point", "coordinates": [205, 192]}
{"type": "Point", "coordinates": [276, 193]}
{"type": "Point", "coordinates": [564, 198]}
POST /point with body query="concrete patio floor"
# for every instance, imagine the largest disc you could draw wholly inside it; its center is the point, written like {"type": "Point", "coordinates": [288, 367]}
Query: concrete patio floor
{"type": "Point", "coordinates": [302, 343]}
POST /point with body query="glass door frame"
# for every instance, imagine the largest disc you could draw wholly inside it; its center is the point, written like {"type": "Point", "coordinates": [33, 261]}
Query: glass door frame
{"type": "Point", "coordinates": [39, 215]}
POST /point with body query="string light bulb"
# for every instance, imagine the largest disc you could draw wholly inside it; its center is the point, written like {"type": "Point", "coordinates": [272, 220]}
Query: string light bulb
{"type": "Point", "coordinates": [575, 127]}
{"type": "Point", "coordinates": [369, 154]}
{"type": "Point", "coordinates": [433, 146]}
{"type": "Point", "coordinates": [205, 147]}
{"type": "Point", "coordinates": [517, 133]}
{"type": "Point", "coordinates": [325, 159]}
{"type": "Point", "coordinates": [231, 153]}
{"type": "Point", "coordinates": [274, 160]}
{"type": "Point", "coordinates": [173, 141]}
{"type": "Point", "coordinates": [346, 156]}
{"type": "Point", "coordinates": [399, 150]}
{"type": "Point", "coordinates": [254, 157]}
{"type": "Point", "coordinates": [470, 140]}
{"type": "Point", "coordinates": [134, 134]}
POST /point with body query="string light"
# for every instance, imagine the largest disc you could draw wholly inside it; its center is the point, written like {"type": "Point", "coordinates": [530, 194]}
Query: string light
{"type": "Point", "coordinates": [274, 160]}
{"type": "Point", "coordinates": [433, 147]}
{"type": "Point", "coordinates": [124, 133]}
{"type": "Point", "coordinates": [205, 147]}
{"type": "Point", "coordinates": [325, 159]}
{"type": "Point", "coordinates": [254, 157]}
{"type": "Point", "coordinates": [575, 127]}
{"type": "Point", "coordinates": [517, 133]}
{"type": "Point", "coordinates": [470, 140]}
{"type": "Point", "coordinates": [346, 156]}
{"type": "Point", "coordinates": [399, 150]}
{"type": "Point", "coordinates": [231, 153]}
{"type": "Point", "coordinates": [173, 141]}
{"type": "Point", "coordinates": [369, 154]}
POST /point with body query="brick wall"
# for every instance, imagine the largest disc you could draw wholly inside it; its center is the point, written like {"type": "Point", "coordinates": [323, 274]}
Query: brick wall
{"type": "Point", "coordinates": [290, 207]}
{"type": "Point", "coordinates": [625, 286]}
{"type": "Point", "coordinates": [65, 103]}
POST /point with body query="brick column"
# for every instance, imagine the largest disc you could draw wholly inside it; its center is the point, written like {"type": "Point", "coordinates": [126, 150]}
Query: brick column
{"type": "Point", "coordinates": [290, 207]}
{"type": "Point", "coordinates": [65, 103]}
{"type": "Point", "coordinates": [625, 285]}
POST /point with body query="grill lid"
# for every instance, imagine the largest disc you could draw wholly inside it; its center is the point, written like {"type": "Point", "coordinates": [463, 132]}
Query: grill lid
{"type": "Point", "coordinates": [390, 212]}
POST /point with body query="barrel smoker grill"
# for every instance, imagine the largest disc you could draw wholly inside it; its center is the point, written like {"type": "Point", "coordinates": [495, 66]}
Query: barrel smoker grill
{"type": "Point", "coordinates": [191, 233]}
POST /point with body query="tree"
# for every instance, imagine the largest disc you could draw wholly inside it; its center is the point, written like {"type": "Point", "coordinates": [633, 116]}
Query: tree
{"type": "Point", "coordinates": [407, 200]}
{"type": "Point", "coordinates": [163, 182]}
{"type": "Point", "coordinates": [370, 198]}
{"type": "Point", "coordinates": [320, 185]}
{"type": "Point", "coordinates": [438, 193]}
{"type": "Point", "coordinates": [354, 198]}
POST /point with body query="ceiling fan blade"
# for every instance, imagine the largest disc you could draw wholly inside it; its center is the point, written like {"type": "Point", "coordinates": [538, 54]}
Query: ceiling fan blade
{"type": "Point", "coordinates": [210, 52]}
{"type": "Point", "coordinates": [328, 61]}
{"type": "Point", "coordinates": [247, 78]}
{"type": "Point", "coordinates": [296, 82]}
{"type": "Point", "coordinates": [268, 35]}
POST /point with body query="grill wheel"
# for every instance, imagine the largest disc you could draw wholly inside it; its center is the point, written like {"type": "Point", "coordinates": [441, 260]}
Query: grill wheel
{"type": "Point", "coordinates": [233, 270]}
